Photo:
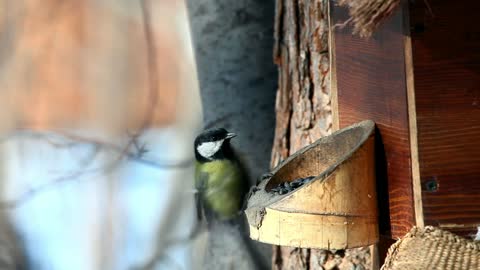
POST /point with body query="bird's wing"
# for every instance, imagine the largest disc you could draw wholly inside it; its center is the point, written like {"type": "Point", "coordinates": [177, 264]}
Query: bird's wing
{"type": "Point", "coordinates": [201, 179]}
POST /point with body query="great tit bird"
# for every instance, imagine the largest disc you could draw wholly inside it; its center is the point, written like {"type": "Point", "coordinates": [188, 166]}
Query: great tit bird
{"type": "Point", "coordinates": [222, 184]}
{"type": "Point", "coordinates": [220, 178]}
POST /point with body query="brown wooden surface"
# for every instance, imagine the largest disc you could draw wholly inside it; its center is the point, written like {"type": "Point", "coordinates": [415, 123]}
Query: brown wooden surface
{"type": "Point", "coordinates": [370, 80]}
{"type": "Point", "coordinates": [303, 112]}
{"type": "Point", "coordinates": [446, 59]}
{"type": "Point", "coordinates": [303, 106]}
{"type": "Point", "coordinates": [412, 115]}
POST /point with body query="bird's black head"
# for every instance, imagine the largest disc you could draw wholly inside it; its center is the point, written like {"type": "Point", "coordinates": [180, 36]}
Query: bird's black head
{"type": "Point", "coordinates": [213, 144]}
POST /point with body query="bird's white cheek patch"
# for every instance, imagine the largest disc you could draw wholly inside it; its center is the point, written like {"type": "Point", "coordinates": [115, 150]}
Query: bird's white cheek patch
{"type": "Point", "coordinates": [208, 149]}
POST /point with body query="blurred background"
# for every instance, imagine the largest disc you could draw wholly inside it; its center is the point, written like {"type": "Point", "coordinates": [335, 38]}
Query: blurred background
{"type": "Point", "coordinates": [101, 103]}
{"type": "Point", "coordinates": [233, 42]}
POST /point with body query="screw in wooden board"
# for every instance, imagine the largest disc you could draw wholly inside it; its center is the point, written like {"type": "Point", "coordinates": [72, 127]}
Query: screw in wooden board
{"type": "Point", "coordinates": [431, 185]}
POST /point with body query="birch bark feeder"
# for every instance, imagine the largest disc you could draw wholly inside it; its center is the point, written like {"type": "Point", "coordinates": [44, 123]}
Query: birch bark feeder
{"type": "Point", "coordinates": [337, 209]}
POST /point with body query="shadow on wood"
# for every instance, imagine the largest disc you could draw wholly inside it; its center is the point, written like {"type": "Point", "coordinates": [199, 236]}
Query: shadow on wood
{"type": "Point", "coordinates": [335, 207]}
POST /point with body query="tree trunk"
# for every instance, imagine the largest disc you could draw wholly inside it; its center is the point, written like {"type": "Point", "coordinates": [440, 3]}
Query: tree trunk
{"type": "Point", "coordinates": [304, 111]}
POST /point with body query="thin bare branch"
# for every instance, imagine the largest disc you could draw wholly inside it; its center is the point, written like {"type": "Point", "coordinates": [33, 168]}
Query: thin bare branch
{"type": "Point", "coordinates": [71, 140]}
{"type": "Point", "coordinates": [152, 68]}
{"type": "Point", "coordinates": [342, 24]}
{"type": "Point", "coordinates": [80, 139]}
{"type": "Point", "coordinates": [34, 191]}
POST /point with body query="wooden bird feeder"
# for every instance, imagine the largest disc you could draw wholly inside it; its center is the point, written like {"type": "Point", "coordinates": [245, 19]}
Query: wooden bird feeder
{"type": "Point", "coordinates": [335, 210]}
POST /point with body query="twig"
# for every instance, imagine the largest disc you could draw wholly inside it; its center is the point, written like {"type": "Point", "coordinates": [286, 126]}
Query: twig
{"type": "Point", "coordinates": [152, 69]}
{"type": "Point", "coordinates": [33, 191]}
{"type": "Point", "coordinates": [98, 144]}
{"type": "Point", "coordinates": [343, 24]}
{"type": "Point", "coordinates": [132, 156]}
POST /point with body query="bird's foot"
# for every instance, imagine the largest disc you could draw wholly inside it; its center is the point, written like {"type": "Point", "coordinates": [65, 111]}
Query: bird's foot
{"type": "Point", "coordinates": [264, 177]}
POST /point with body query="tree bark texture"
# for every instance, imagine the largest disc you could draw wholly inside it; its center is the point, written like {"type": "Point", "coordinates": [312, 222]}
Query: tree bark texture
{"type": "Point", "coordinates": [304, 111]}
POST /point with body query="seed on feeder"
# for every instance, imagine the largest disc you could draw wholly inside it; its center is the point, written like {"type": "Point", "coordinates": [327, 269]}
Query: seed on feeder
{"type": "Point", "coordinates": [295, 184]}
{"type": "Point", "coordinates": [288, 186]}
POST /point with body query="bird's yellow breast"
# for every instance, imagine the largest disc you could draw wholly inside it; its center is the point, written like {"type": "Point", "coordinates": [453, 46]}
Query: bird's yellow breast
{"type": "Point", "coordinates": [221, 182]}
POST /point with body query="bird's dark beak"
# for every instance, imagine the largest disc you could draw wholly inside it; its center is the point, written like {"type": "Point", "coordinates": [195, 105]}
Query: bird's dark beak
{"type": "Point", "coordinates": [230, 135]}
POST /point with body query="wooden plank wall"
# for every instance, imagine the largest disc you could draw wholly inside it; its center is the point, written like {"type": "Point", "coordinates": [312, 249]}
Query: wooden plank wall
{"type": "Point", "coordinates": [370, 84]}
{"type": "Point", "coordinates": [446, 60]}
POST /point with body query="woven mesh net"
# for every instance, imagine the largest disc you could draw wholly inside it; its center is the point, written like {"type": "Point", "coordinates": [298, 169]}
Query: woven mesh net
{"type": "Point", "coordinates": [432, 248]}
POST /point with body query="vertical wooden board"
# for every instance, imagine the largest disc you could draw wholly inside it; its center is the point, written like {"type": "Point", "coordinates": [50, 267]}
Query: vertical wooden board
{"type": "Point", "coordinates": [370, 80]}
{"type": "Point", "coordinates": [446, 56]}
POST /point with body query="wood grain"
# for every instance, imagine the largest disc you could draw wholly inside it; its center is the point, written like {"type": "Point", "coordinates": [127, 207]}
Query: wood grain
{"type": "Point", "coordinates": [447, 88]}
{"type": "Point", "coordinates": [303, 112]}
{"type": "Point", "coordinates": [370, 78]}
{"type": "Point", "coordinates": [412, 117]}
